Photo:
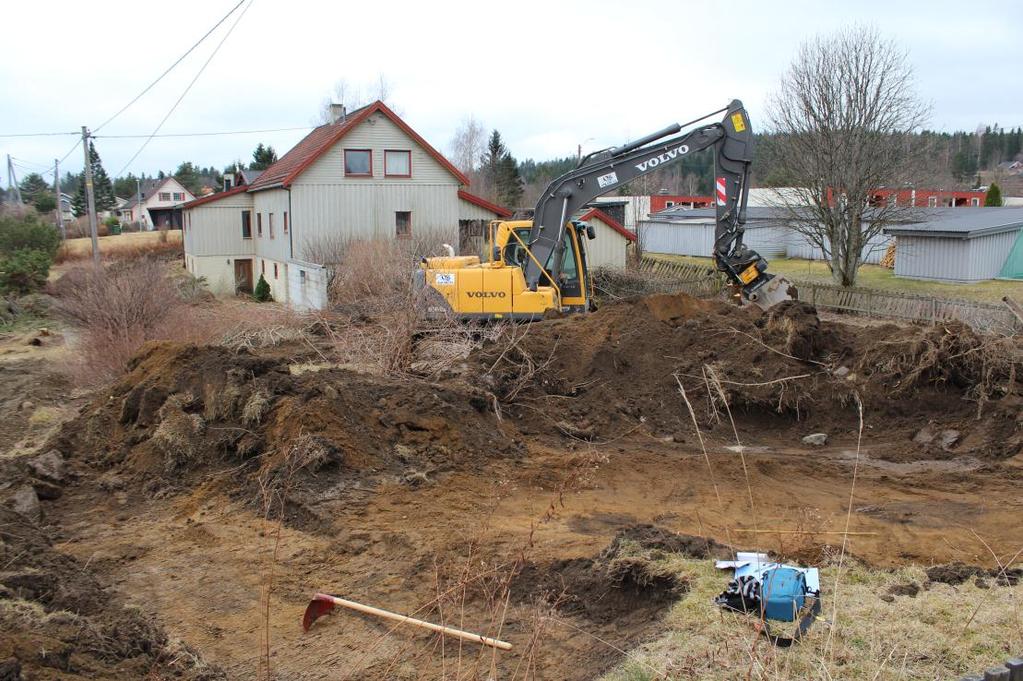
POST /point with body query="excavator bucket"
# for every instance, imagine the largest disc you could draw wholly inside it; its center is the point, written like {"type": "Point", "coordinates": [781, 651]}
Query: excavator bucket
{"type": "Point", "coordinates": [774, 292]}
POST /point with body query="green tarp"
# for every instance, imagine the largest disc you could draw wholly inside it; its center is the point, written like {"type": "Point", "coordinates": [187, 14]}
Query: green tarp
{"type": "Point", "coordinates": [1013, 267]}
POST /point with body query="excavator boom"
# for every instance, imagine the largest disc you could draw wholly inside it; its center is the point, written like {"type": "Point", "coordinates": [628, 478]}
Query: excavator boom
{"type": "Point", "coordinates": [528, 272]}
{"type": "Point", "coordinates": [602, 173]}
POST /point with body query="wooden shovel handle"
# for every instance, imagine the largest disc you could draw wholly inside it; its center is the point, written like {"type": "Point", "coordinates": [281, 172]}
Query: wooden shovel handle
{"type": "Point", "coordinates": [405, 619]}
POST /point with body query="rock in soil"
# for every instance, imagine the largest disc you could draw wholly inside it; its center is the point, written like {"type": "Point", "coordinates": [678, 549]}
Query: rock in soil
{"type": "Point", "coordinates": [816, 439]}
{"type": "Point", "coordinates": [49, 465]}
{"type": "Point", "coordinates": [26, 502]}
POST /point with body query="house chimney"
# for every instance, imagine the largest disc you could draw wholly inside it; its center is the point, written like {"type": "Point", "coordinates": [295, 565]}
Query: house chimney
{"type": "Point", "coordinates": [337, 113]}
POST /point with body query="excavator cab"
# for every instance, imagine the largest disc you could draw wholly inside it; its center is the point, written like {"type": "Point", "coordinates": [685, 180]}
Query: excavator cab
{"type": "Point", "coordinates": [573, 282]}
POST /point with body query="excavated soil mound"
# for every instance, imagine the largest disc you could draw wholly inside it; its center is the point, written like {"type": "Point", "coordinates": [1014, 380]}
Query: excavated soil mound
{"type": "Point", "coordinates": [600, 375]}
{"type": "Point", "coordinates": [57, 621]}
{"type": "Point", "coordinates": [182, 411]}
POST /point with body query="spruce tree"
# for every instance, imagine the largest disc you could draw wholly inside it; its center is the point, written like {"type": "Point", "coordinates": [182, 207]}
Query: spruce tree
{"type": "Point", "coordinates": [994, 196]}
{"type": "Point", "coordinates": [263, 157]}
{"type": "Point", "coordinates": [102, 187]}
{"type": "Point", "coordinates": [32, 187]}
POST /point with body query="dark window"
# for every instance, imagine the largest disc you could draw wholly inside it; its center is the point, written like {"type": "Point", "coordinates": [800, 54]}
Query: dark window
{"type": "Point", "coordinates": [358, 162]}
{"type": "Point", "coordinates": [165, 196]}
{"type": "Point", "coordinates": [398, 163]}
{"type": "Point", "coordinates": [285, 222]}
{"type": "Point", "coordinates": [403, 223]}
{"type": "Point", "coordinates": [259, 225]}
{"type": "Point", "coordinates": [270, 224]}
{"type": "Point", "coordinates": [262, 266]}
{"type": "Point", "coordinates": [246, 224]}
{"type": "Point", "coordinates": [275, 270]}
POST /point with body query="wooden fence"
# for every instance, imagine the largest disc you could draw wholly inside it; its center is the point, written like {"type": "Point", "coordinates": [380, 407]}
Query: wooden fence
{"type": "Point", "coordinates": [701, 281]}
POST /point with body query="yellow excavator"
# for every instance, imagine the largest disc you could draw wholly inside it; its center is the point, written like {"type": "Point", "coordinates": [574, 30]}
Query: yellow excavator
{"type": "Point", "coordinates": [532, 267]}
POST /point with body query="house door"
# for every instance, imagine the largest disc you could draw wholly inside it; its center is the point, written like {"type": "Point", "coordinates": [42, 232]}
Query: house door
{"type": "Point", "coordinates": [243, 276]}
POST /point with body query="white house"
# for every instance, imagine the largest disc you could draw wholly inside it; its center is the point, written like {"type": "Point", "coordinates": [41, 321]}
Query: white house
{"type": "Point", "coordinates": [367, 174]}
{"type": "Point", "coordinates": [611, 245]}
{"type": "Point", "coordinates": [161, 205]}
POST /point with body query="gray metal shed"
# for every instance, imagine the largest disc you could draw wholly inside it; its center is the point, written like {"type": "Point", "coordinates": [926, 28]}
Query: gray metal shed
{"type": "Point", "coordinates": [682, 231]}
{"type": "Point", "coordinates": [956, 244]}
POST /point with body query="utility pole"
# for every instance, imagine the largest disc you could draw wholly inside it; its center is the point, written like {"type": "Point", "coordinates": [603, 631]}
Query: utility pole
{"type": "Point", "coordinates": [90, 196]}
{"type": "Point", "coordinates": [12, 180]}
{"type": "Point", "coordinates": [60, 205]}
{"type": "Point", "coordinates": [138, 202]}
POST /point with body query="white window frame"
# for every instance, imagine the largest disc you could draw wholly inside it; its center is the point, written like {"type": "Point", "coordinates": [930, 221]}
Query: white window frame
{"type": "Point", "coordinates": [408, 155]}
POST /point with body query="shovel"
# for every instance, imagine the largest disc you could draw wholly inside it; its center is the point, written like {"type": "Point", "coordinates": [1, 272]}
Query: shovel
{"type": "Point", "coordinates": [324, 603]}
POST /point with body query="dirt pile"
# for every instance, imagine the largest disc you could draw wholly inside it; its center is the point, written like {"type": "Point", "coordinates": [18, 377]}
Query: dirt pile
{"type": "Point", "coordinates": [57, 621]}
{"type": "Point", "coordinates": [606, 373]}
{"type": "Point", "coordinates": [183, 411]}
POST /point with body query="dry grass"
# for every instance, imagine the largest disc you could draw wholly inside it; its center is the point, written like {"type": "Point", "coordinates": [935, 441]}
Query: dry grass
{"type": "Point", "coordinates": [910, 638]}
{"type": "Point", "coordinates": [124, 246]}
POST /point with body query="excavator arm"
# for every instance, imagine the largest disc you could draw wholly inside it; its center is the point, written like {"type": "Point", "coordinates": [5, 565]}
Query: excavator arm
{"type": "Point", "coordinates": [732, 141]}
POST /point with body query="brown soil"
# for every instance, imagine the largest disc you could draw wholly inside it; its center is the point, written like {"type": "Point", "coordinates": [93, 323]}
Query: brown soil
{"type": "Point", "coordinates": [205, 475]}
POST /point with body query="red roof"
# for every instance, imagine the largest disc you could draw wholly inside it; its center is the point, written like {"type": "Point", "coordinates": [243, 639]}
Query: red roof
{"type": "Point", "coordinates": [500, 211]}
{"type": "Point", "coordinates": [609, 221]}
{"type": "Point", "coordinates": [210, 198]}
{"type": "Point", "coordinates": [321, 139]}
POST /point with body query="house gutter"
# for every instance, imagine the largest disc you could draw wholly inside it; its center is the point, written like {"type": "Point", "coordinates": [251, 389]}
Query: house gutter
{"type": "Point", "coordinates": [291, 227]}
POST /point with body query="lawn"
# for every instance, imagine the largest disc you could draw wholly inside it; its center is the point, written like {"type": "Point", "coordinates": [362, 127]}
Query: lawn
{"type": "Point", "coordinates": [877, 277]}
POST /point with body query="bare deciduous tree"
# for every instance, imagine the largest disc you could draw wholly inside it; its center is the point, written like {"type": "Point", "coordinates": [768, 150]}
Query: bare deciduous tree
{"type": "Point", "coordinates": [844, 114]}
{"type": "Point", "coordinates": [468, 144]}
{"type": "Point", "coordinates": [354, 96]}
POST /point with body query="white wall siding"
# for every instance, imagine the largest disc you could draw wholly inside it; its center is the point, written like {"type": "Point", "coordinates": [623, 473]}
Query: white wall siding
{"type": "Point", "coordinates": [216, 228]}
{"type": "Point", "coordinates": [352, 212]}
{"type": "Point", "coordinates": [265, 203]}
{"type": "Point", "coordinates": [609, 249]}
{"type": "Point", "coordinates": [378, 134]}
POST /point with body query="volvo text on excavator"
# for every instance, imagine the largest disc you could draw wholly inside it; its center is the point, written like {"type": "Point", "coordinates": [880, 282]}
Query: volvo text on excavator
{"type": "Point", "coordinates": [534, 266]}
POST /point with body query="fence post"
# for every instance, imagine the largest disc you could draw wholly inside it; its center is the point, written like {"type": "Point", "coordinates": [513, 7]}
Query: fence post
{"type": "Point", "coordinates": [934, 311]}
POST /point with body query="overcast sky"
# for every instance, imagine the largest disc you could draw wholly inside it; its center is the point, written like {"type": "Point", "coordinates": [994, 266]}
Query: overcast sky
{"type": "Point", "coordinates": [549, 75]}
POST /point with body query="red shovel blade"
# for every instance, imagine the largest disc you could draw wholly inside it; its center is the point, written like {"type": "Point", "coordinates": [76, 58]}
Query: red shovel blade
{"type": "Point", "coordinates": [319, 606]}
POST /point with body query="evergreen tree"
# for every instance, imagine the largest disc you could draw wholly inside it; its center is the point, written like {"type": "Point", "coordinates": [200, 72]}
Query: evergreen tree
{"type": "Point", "coordinates": [32, 187]}
{"type": "Point", "coordinates": [994, 196]}
{"type": "Point", "coordinates": [263, 157]}
{"type": "Point", "coordinates": [128, 185]}
{"type": "Point", "coordinates": [261, 293]}
{"type": "Point", "coordinates": [500, 172]}
{"type": "Point", "coordinates": [188, 175]}
{"type": "Point", "coordinates": [102, 187]}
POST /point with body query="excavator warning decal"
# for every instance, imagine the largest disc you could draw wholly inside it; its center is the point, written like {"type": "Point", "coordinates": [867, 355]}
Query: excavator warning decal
{"type": "Point", "coordinates": [607, 180]}
{"type": "Point", "coordinates": [719, 190]}
{"type": "Point", "coordinates": [445, 279]}
{"type": "Point", "coordinates": [737, 122]}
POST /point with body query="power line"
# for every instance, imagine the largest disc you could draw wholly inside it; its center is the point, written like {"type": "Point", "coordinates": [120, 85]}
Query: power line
{"type": "Point", "coordinates": [197, 75]}
{"type": "Point", "coordinates": [40, 134]}
{"type": "Point", "coordinates": [171, 67]}
{"type": "Point", "coordinates": [205, 134]}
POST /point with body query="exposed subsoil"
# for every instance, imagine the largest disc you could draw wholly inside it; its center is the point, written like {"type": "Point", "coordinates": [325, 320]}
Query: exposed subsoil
{"type": "Point", "coordinates": [205, 475]}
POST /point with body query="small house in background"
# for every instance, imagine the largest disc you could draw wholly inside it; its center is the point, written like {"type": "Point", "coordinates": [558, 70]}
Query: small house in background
{"type": "Point", "coordinates": [957, 246]}
{"type": "Point", "coordinates": [365, 175]}
{"type": "Point", "coordinates": [241, 178]}
{"type": "Point", "coordinates": [628, 211]}
{"type": "Point", "coordinates": [610, 248]}
{"type": "Point", "coordinates": [160, 207]}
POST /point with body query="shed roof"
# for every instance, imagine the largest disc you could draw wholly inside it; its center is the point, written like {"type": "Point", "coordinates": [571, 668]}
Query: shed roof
{"type": "Point", "coordinates": [499, 211]}
{"type": "Point", "coordinates": [607, 220]}
{"type": "Point", "coordinates": [210, 198]}
{"type": "Point", "coordinates": [960, 223]}
{"type": "Point", "coordinates": [321, 139]}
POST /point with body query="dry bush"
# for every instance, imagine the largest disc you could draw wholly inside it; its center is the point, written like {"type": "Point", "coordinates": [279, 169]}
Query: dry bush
{"type": "Point", "coordinates": [374, 274]}
{"type": "Point", "coordinates": [118, 307]}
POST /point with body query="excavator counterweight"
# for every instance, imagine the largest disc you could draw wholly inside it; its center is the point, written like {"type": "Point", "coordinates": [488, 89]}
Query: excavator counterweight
{"type": "Point", "coordinates": [533, 267]}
